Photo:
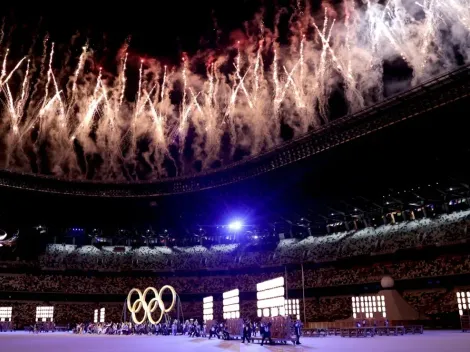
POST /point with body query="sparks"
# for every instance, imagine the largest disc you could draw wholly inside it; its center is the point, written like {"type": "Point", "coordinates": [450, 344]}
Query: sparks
{"type": "Point", "coordinates": [240, 101]}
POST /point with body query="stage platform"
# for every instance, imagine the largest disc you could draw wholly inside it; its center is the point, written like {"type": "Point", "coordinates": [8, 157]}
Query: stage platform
{"type": "Point", "coordinates": [439, 341]}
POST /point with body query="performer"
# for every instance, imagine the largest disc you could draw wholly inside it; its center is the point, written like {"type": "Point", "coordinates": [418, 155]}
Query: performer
{"type": "Point", "coordinates": [192, 330]}
{"type": "Point", "coordinates": [246, 332]}
{"type": "Point", "coordinates": [266, 333]}
{"type": "Point", "coordinates": [203, 330]}
{"type": "Point", "coordinates": [225, 333]}
{"type": "Point", "coordinates": [297, 329]}
{"type": "Point", "coordinates": [213, 332]}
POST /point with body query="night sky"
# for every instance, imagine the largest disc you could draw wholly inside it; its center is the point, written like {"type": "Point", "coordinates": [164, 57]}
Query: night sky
{"type": "Point", "coordinates": [163, 29]}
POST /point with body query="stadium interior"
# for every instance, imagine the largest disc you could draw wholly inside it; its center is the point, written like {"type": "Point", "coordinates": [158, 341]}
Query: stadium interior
{"type": "Point", "coordinates": [373, 206]}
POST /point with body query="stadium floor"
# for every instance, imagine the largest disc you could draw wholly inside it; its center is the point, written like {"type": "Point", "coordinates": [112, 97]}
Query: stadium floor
{"type": "Point", "coordinates": [430, 342]}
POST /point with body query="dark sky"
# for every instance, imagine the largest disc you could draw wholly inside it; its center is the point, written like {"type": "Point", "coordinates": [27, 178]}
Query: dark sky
{"type": "Point", "coordinates": [159, 29]}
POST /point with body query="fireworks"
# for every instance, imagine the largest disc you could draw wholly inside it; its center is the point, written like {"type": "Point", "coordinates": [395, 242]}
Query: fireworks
{"type": "Point", "coordinates": [61, 126]}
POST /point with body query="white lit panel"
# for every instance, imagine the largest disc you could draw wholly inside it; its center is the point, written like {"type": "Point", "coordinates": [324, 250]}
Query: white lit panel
{"type": "Point", "coordinates": [463, 302]}
{"type": "Point", "coordinates": [292, 307]}
{"type": "Point", "coordinates": [270, 295]}
{"type": "Point", "coordinates": [102, 315]}
{"type": "Point", "coordinates": [208, 308]}
{"type": "Point", "coordinates": [231, 304]}
{"type": "Point", "coordinates": [5, 313]}
{"type": "Point", "coordinates": [44, 313]}
{"type": "Point", "coordinates": [369, 307]}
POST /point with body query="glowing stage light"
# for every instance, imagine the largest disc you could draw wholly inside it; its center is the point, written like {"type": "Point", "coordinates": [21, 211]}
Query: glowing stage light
{"type": "Point", "coordinates": [235, 225]}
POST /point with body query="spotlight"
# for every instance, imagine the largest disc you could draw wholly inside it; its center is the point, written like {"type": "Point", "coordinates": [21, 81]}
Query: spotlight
{"type": "Point", "coordinates": [235, 225]}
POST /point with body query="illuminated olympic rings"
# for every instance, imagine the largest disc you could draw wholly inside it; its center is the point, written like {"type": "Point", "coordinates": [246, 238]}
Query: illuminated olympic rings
{"type": "Point", "coordinates": [151, 306]}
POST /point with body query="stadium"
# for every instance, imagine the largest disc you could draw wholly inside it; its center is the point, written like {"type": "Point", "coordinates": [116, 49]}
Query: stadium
{"type": "Point", "coordinates": [350, 233]}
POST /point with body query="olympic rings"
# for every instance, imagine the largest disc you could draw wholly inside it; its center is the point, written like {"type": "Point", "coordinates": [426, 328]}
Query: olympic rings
{"type": "Point", "coordinates": [151, 306]}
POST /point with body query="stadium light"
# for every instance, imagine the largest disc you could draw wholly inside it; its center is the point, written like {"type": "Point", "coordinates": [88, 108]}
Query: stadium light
{"type": "Point", "coordinates": [235, 225]}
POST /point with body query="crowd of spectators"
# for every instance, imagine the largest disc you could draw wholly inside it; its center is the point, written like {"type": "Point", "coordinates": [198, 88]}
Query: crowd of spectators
{"type": "Point", "coordinates": [445, 230]}
{"type": "Point", "coordinates": [432, 302]}
{"type": "Point", "coordinates": [314, 278]}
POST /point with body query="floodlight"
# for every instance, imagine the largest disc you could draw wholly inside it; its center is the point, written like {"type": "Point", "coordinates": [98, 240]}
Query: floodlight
{"type": "Point", "coordinates": [235, 225]}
